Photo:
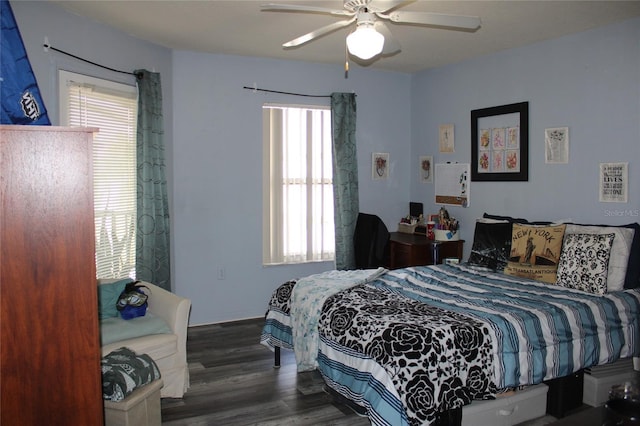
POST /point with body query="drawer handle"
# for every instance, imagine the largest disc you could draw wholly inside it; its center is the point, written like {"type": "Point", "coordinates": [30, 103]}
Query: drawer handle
{"type": "Point", "coordinates": [503, 412]}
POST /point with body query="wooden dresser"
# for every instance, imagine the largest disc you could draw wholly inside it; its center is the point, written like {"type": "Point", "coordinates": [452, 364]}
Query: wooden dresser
{"type": "Point", "coordinates": [416, 250]}
{"type": "Point", "coordinates": [49, 337]}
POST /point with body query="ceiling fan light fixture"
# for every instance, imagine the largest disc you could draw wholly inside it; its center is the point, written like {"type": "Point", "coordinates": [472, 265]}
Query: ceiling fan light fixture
{"type": "Point", "coordinates": [365, 42]}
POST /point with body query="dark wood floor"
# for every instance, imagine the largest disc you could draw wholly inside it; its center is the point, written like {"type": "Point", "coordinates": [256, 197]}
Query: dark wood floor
{"type": "Point", "coordinates": [233, 382]}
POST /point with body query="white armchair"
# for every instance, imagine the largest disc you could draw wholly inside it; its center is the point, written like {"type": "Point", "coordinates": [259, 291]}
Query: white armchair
{"type": "Point", "coordinates": [169, 351]}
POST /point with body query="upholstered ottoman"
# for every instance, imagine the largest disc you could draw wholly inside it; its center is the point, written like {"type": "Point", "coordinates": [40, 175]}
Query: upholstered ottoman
{"type": "Point", "coordinates": [140, 408]}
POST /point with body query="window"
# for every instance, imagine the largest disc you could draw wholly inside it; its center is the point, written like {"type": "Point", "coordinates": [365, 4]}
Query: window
{"type": "Point", "coordinates": [298, 187]}
{"type": "Point", "coordinates": [112, 108]}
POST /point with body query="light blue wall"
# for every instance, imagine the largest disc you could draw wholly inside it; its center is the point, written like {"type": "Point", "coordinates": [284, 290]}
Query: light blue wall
{"type": "Point", "coordinates": [86, 39]}
{"type": "Point", "coordinates": [589, 82]}
{"type": "Point", "coordinates": [218, 168]}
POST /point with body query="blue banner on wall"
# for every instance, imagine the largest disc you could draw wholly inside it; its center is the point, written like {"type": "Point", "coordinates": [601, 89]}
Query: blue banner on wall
{"type": "Point", "coordinates": [21, 100]}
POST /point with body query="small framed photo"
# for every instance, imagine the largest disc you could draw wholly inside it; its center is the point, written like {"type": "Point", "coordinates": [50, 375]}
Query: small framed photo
{"type": "Point", "coordinates": [426, 168]}
{"type": "Point", "coordinates": [446, 138]}
{"type": "Point", "coordinates": [380, 165]}
{"type": "Point", "coordinates": [556, 145]}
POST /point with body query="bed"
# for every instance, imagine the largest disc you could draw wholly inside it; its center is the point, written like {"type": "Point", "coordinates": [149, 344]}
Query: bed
{"type": "Point", "coordinates": [409, 344]}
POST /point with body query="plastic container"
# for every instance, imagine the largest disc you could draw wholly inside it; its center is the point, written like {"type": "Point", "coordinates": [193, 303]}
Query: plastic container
{"type": "Point", "coordinates": [446, 235]}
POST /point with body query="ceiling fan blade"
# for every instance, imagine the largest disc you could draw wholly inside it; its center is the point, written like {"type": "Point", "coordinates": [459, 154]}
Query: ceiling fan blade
{"type": "Point", "coordinates": [435, 19]}
{"type": "Point", "coordinates": [274, 7]}
{"type": "Point", "coordinates": [391, 44]}
{"type": "Point", "coordinates": [319, 32]}
{"type": "Point", "coordinates": [384, 6]}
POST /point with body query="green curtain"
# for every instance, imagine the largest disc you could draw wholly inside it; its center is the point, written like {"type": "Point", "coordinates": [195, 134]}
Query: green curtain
{"type": "Point", "coordinates": [345, 176]}
{"type": "Point", "coordinates": [152, 239]}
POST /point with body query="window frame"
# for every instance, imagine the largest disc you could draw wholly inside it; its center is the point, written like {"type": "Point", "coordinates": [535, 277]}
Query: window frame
{"type": "Point", "coordinates": [115, 226]}
{"type": "Point", "coordinates": [275, 251]}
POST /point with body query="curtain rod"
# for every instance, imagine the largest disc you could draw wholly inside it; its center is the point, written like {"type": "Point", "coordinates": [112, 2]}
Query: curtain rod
{"type": "Point", "coordinates": [256, 89]}
{"type": "Point", "coordinates": [48, 46]}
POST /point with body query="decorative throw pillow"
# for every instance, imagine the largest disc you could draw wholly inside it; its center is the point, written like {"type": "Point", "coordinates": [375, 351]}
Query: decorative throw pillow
{"type": "Point", "coordinates": [620, 250]}
{"type": "Point", "coordinates": [584, 262]}
{"type": "Point", "coordinates": [535, 251]}
{"type": "Point", "coordinates": [491, 244]}
{"type": "Point", "coordinates": [108, 295]}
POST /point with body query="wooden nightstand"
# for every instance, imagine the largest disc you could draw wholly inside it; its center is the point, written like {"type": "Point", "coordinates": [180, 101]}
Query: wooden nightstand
{"type": "Point", "coordinates": [416, 250]}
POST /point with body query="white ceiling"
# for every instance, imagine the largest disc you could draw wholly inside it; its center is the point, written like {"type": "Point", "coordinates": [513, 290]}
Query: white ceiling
{"type": "Point", "coordinates": [241, 28]}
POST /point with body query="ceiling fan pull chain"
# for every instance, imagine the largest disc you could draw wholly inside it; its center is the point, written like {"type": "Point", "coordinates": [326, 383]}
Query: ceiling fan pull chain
{"type": "Point", "coordinates": [346, 61]}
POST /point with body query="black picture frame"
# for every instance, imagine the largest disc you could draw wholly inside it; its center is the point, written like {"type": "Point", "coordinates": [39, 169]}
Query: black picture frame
{"type": "Point", "coordinates": [493, 162]}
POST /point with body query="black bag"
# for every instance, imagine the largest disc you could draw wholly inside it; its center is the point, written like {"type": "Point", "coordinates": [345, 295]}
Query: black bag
{"type": "Point", "coordinates": [132, 302]}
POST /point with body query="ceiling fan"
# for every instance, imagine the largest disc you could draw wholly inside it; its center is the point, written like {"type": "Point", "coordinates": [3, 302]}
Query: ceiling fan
{"type": "Point", "coordinates": [371, 36]}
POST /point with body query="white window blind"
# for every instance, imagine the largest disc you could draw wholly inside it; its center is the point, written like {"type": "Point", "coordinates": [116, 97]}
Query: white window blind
{"type": "Point", "coordinates": [298, 188]}
{"type": "Point", "coordinates": [112, 108]}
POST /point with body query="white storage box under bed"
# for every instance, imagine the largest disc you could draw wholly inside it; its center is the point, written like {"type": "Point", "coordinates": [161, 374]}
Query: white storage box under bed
{"type": "Point", "coordinates": [599, 380]}
{"type": "Point", "coordinates": [515, 408]}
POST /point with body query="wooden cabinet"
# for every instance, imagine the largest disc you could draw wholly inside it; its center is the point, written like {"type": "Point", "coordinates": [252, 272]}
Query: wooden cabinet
{"type": "Point", "coordinates": [49, 338]}
{"type": "Point", "coordinates": [415, 250]}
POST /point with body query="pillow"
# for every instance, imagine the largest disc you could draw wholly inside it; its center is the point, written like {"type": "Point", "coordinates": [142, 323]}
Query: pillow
{"type": "Point", "coordinates": [584, 261]}
{"type": "Point", "coordinates": [491, 244]}
{"type": "Point", "coordinates": [632, 278]}
{"type": "Point", "coordinates": [507, 218]}
{"type": "Point", "coordinates": [518, 219]}
{"type": "Point", "coordinates": [535, 251]}
{"type": "Point", "coordinates": [620, 250]}
{"type": "Point", "coordinates": [108, 295]}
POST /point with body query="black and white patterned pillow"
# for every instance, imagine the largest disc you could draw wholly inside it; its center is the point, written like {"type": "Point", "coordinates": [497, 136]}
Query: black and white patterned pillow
{"type": "Point", "coordinates": [584, 262]}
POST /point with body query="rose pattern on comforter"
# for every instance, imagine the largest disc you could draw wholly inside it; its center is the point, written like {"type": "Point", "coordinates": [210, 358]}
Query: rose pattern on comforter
{"type": "Point", "coordinates": [277, 329]}
{"type": "Point", "coordinates": [281, 297]}
{"type": "Point", "coordinates": [437, 360]}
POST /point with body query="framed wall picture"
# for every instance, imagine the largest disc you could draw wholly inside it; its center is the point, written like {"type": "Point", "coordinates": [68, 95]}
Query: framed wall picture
{"type": "Point", "coordinates": [556, 145]}
{"type": "Point", "coordinates": [380, 165]}
{"type": "Point", "coordinates": [614, 183]}
{"type": "Point", "coordinates": [500, 143]}
{"type": "Point", "coordinates": [446, 138]}
{"type": "Point", "coordinates": [426, 168]}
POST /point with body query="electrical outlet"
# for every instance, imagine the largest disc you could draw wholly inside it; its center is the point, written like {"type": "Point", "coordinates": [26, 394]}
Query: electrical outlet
{"type": "Point", "coordinates": [221, 274]}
